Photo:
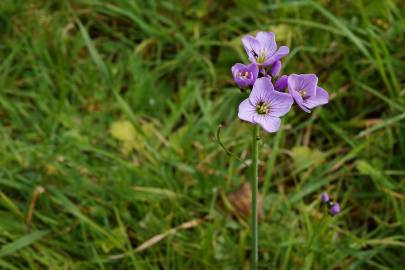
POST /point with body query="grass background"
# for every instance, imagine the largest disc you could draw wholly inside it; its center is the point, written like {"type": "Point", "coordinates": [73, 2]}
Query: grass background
{"type": "Point", "coordinates": [112, 108]}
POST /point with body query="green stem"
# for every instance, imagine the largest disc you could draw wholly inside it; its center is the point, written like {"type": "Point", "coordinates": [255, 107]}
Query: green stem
{"type": "Point", "coordinates": [319, 227]}
{"type": "Point", "coordinates": [255, 160]}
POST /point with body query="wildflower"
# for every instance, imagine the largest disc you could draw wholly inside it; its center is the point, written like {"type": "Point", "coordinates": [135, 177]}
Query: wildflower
{"type": "Point", "coordinates": [305, 91]}
{"type": "Point", "coordinates": [275, 68]}
{"type": "Point", "coordinates": [265, 106]}
{"type": "Point", "coordinates": [244, 75]}
{"type": "Point", "coordinates": [325, 197]}
{"type": "Point", "coordinates": [282, 83]}
{"type": "Point", "coordinates": [335, 209]}
{"type": "Point", "coordinates": [262, 49]}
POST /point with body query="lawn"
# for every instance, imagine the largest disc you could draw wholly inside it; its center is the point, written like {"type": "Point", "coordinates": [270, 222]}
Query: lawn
{"type": "Point", "coordinates": [111, 156]}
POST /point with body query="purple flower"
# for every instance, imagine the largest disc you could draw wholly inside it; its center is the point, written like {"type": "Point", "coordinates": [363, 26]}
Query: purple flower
{"type": "Point", "coordinates": [335, 209]}
{"type": "Point", "coordinates": [325, 197]}
{"type": "Point", "coordinates": [275, 69]}
{"type": "Point", "coordinates": [282, 83]}
{"type": "Point", "coordinates": [265, 106]}
{"type": "Point", "coordinates": [262, 49]}
{"type": "Point", "coordinates": [244, 75]}
{"type": "Point", "coordinates": [305, 91]}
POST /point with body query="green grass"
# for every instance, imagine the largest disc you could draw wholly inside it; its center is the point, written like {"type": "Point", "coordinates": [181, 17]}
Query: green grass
{"type": "Point", "coordinates": [113, 107]}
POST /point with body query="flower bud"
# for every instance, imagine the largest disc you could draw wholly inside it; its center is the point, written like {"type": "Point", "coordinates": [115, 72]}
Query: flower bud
{"type": "Point", "coordinates": [275, 68]}
{"type": "Point", "coordinates": [243, 75]}
{"type": "Point", "coordinates": [325, 197]}
{"type": "Point", "coordinates": [282, 83]}
{"type": "Point", "coordinates": [335, 209]}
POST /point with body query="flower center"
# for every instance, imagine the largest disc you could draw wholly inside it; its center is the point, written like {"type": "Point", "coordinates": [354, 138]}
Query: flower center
{"type": "Point", "coordinates": [244, 75]}
{"type": "Point", "coordinates": [302, 92]}
{"type": "Point", "coordinates": [261, 58]}
{"type": "Point", "coordinates": [262, 108]}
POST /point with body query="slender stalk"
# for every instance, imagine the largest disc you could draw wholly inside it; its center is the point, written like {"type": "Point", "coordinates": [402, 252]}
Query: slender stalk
{"type": "Point", "coordinates": [319, 228]}
{"type": "Point", "coordinates": [255, 160]}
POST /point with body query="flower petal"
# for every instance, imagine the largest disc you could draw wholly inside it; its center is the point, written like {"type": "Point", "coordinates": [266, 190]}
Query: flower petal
{"type": "Point", "coordinates": [281, 52]}
{"type": "Point", "coordinates": [298, 99]}
{"type": "Point", "coordinates": [305, 82]}
{"type": "Point", "coordinates": [268, 123]}
{"type": "Point", "coordinates": [321, 98]}
{"type": "Point", "coordinates": [261, 90]}
{"type": "Point", "coordinates": [254, 69]}
{"type": "Point", "coordinates": [251, 46]}
{"type": "Point", "coordinates": [237, 67]}
{"type": "Point", "coordinates": [280, 103]}
{"type": "Point", "coordinates": [267, 42]}
{"type": "Point", "coordinates": [246, 111]}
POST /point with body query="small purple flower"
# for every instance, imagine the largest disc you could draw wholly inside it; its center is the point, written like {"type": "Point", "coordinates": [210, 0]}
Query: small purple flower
{"type": "Point", "coordinates": [325, 197]}
{"type": "Point", "coordinates": [305, 91]}
{"type": "Point", "coordinates": [265, 106]}
{"type": "Point", "coordinates": [335, 209]}
{"type": "Point", "coordinates": [282, 83]}
{"type": "Point", "coordinates": [275, 69]}
{"type": "Point", "coordinates": [262, 49]}
{"type": "Point", "coordinates": [244, 75]}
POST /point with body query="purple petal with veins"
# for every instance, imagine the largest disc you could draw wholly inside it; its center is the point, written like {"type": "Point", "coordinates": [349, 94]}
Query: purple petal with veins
{"type": "Point", "coordinates": [265, 106]}
{"type": "Point", "coordinates": [262, 49]}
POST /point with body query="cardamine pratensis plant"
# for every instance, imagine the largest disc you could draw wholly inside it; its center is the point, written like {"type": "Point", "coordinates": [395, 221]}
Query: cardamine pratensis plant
{"type": "Point", "coordinates": [271, 97]}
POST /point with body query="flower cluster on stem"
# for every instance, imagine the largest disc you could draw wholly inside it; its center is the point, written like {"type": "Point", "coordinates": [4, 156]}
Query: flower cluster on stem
{"type": "Point", "coordinates": [272, 95]}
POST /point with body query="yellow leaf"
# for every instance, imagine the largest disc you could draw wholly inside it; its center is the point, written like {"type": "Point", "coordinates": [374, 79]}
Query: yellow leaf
{"type": "Point", "coordinates": [305, 157]}
{"type": "Point", "coordinates": [123, 131]}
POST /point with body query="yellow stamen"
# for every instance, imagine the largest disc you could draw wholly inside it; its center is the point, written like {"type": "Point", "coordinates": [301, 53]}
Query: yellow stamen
{"type": "Point", "coordinates": [302, 92]}
{"type": "Point", "coordinates": [262, 108]}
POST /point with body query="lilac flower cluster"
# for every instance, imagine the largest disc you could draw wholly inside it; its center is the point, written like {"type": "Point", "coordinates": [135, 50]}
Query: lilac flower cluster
{"type": "Point", "coordinates": [334, 207]}
{"type": "Point", "coordinates": [272, 95]}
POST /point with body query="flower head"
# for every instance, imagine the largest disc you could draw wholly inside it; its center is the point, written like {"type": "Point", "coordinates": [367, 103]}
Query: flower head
{"type": "Point", "coordinates": [244, 75]}
{"type": "Point", "coordinates": [303, 88]}
{"type": "Point", "coordinates": [265, 106]}
{"type": "Point", "coordinates": [262, 49]}
{"type": "Point", "coordinates": [325, 197]}
{"type": "Point", "coordinates": [335, 209]}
